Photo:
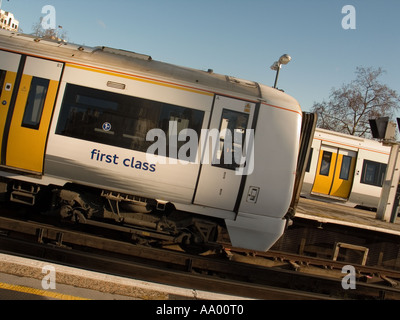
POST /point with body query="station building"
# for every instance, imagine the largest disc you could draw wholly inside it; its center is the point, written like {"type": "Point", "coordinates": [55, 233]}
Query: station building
{"type": "Point", "coordinates": [8, 21]}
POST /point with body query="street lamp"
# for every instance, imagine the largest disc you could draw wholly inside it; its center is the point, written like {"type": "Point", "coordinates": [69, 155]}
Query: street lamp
{"type": "Point", "coordinates": [285, 59]}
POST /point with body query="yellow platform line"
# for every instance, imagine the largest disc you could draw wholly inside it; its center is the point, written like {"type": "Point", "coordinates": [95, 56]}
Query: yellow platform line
{"type": "Point", "coordinates": [39, 292]}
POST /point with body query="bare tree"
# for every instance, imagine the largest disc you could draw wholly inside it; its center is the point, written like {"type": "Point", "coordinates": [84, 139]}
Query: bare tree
{"type": "Point", "coordinates": [51, 34]}
{"type": "Point", "coordinates": [351, 106]}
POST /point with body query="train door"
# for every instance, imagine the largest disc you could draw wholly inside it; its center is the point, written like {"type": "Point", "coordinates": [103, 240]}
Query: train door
{"type": "Point", "coordinates": [29, 114]}
{"type": "Point", "coordinates": [219, 183]}
{"type": "Point", "coordinates": [335, 172]}
{"type": "Point", "coordinates": [9, 63]}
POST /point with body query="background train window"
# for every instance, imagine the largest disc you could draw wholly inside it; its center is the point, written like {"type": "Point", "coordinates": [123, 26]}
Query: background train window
{"type": "Point", "coordinates": [373, 173]}
{"type": "Point", "coordinates": [345, 169]}
{"type": "Point", "coordinates": [120, 120]}
{"type": "Point", "coordinates": [35, 103]}
{"type": "Point", "coordinates": [325, 163]}
{"type": "Point", "coordinates": [2, 78]}
{"type": "Point", "coordinates": [230, 149]}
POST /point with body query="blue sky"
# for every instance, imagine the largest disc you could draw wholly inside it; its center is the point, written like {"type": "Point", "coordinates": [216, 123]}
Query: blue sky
{"type": "Point", "coordinates": [241, 38]}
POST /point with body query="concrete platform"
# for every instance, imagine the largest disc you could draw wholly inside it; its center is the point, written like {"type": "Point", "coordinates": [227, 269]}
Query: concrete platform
{"type": "Point", "coordinates": [326, 212]}
{"type": "Point", "coordinates": [76, 284]}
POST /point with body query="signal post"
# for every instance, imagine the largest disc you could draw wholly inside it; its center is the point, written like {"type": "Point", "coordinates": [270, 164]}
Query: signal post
{"type": "Point", "coordinates": [387, 209]}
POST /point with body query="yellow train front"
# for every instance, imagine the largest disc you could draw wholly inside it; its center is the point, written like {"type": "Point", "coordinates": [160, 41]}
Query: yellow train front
{"type": "Point", "coordinates": [346, 169]}
{"type": "Point", "coordinates": [174, 153]}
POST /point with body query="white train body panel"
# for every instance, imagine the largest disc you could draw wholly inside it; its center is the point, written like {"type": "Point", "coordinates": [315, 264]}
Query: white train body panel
{"type": "Point", "coordinates": [121, 176]}
{"type": "Point", "coordinates": [95, 80]}
{"type": "Point", "coordinates": [274, 173]}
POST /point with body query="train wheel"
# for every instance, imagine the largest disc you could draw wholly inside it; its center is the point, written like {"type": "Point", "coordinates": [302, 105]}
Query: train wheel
{"type": "Point", "coordinates": [199, 237]}
{"type": "Point", "coordinates": [194, 248]}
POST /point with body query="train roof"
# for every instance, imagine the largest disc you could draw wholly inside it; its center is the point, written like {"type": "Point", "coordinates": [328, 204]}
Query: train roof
{"type": "Point", "coordinates": [334, 137]}
{"type": "Point", "coordinates": [127, 61]}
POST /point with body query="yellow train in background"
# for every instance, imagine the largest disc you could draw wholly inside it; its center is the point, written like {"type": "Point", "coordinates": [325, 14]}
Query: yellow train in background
{"type": "Point", "coordinates": [345, 169]}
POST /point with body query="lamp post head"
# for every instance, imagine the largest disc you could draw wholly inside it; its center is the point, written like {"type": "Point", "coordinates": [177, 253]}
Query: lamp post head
{"type": "Point", "coordinates": [275, 66]}
{"type": "Point", "coordinates": [285, 59]}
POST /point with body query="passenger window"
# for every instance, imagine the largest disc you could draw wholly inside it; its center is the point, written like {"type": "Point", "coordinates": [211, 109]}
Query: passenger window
{"type": "Point", "coordinates": [325, 163]}
{"type": "Point", "coordinates": [373, 173]}
{"type": "Point", "coordinates": [345, 169]}
{"type": "Point", "coordinates": [2, 79]}
{"type": "Point", "coordinates": [232, 133]}
{"type": "Point", "coordinates": [35, 103]}
{"type": "Point", "coordinates": [120, 120]}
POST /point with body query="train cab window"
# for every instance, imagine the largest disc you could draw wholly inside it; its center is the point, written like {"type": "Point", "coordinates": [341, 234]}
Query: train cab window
{"type": "Point", "coordinates": [232, 136]}
{"type": "Point", "coordinates": [373, 173]}
{"type": "Point", "coordinates": [120, 120]}
{"type": "Point", "coordinates": [35, 103]}
{"type": "Point", "coordinates": [325, 163]}
{"type": "Point", "coordinates": [345, 169]}
{"type": "Point", "coordinates": [2, 79]}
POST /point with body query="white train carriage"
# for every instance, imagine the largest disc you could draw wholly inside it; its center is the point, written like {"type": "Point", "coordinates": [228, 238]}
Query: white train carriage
{"type": "Point", "coordinates": [73, 117]}
{"type": "Point", "coordinates": [345, 169]}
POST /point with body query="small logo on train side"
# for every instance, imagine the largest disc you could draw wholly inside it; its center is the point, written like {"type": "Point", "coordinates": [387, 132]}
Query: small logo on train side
{"type": "Point", "coordinates": [106, 126]}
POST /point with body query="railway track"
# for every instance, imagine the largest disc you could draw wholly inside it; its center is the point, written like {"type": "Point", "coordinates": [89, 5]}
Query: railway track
{"type": "Point", "coordinates": [215, 272]}
{"type": "Point", "coordinates": [329, 266]}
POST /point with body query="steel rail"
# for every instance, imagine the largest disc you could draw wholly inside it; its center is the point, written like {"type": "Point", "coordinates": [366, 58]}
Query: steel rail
{"type": "Point", "coordinates": [323, 262]}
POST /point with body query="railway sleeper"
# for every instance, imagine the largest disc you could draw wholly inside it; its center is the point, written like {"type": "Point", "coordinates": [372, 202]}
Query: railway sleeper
{"type": "Point", "coordinates": [43, 238]}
